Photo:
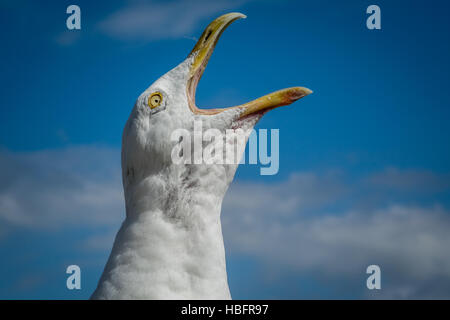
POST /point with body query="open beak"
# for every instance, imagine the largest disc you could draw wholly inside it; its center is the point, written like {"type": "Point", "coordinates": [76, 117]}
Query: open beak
{"type": "Point", "coordinates": [200, 56]}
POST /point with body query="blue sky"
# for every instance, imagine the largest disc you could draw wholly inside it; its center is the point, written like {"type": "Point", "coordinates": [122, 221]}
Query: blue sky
{"type": "Point", "coordinates": [364, 162]}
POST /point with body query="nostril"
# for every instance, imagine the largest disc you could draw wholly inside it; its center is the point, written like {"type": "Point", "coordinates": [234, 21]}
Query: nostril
{"type": "Point", "coordinates": [207, 35]}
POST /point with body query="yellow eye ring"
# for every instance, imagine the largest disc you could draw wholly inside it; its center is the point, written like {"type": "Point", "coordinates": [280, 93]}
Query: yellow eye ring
{"type": "Point", "coordinates": [155, 100]}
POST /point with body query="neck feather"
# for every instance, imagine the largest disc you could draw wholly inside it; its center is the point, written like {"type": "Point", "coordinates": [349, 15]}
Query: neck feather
{"type": "Point", "coordinates": [170, 245]}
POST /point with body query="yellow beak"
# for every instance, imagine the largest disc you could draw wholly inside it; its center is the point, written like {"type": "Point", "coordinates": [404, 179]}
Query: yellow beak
{"type": "Point", "coordinates": [200, 56]}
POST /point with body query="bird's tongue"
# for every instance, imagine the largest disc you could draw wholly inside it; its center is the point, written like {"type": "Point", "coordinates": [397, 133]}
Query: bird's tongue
{"type": "Point", "coordinates": [200, 56]}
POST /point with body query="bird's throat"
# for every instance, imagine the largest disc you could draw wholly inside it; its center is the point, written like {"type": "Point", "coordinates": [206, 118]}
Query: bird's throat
{"type": "Point", "coordinates": [170, 245]}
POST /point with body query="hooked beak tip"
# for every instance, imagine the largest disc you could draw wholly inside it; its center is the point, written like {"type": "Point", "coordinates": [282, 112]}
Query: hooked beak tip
{"type": "Point", "coordinates": [297, 93]}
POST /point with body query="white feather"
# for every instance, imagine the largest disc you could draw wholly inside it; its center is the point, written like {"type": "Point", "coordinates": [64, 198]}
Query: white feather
{"type": "Point", "coordinates": [170, 245]}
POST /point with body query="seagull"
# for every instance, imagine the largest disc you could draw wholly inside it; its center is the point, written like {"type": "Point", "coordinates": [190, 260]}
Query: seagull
{"type": "Point", "coordinates": [170, 245]}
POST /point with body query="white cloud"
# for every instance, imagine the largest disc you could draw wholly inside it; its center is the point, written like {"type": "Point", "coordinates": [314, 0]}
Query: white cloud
{"type": "Point", "coordinates": [410, 243]}
{"type": "Point", "coordinates": [411, 180]}
{"type": "Point", "coordinates": [302, 193]}
{"type": "Point", "coordinates": [308, 223]}
{"type": "Point", "coordinates": [410, 240]}
{"type": "Point", "coordinates": [100, 242]}
{"type": "Point", "coordinates": [151, 20]}
{"type": "Point", "coordinates": [67, 38]}
{"type": "Point", "coordinates": [57, 188]}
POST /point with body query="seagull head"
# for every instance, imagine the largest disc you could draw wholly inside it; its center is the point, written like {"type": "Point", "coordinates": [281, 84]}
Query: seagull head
{"type": "Point", "coordinates": [169, 105]}
{"type": "Point", "coordinates": [170, 245]}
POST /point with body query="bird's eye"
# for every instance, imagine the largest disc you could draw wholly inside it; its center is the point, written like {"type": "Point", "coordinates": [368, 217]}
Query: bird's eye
{"type": "Point", "coordinates": [155, 100]}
